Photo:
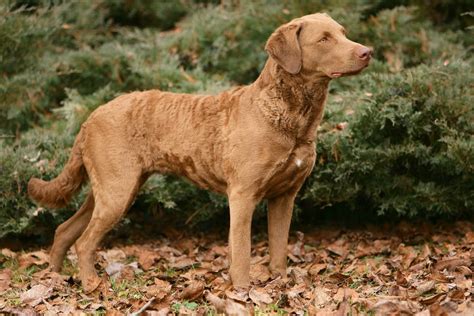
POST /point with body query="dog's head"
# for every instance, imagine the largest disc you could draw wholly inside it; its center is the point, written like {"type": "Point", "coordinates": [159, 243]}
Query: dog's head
{"type": "Point", "coordinates": [317, 44]}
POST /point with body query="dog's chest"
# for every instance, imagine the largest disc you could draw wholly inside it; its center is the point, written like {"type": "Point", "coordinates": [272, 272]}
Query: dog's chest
{"type": "Point", "coordinates": [291, 172]}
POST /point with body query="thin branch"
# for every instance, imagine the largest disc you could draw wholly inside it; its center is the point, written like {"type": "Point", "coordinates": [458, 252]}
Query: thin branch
{"type": "Point", "coordinates": [144, 307]}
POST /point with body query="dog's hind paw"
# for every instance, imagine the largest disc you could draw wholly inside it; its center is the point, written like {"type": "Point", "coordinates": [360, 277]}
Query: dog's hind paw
{"type": "Point", "coordinates": [91, 284]}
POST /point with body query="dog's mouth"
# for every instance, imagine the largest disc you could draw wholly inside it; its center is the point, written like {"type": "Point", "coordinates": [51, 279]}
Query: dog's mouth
{"type": "Point", "coordinates": [337, 74]}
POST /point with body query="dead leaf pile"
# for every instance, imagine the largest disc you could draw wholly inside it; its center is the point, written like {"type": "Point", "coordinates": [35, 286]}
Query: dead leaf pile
{"type": "Point", "coordinates": [404, 269]}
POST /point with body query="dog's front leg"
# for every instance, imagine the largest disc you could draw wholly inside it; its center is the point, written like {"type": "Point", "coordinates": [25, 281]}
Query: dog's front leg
{"type": "Point", "coordinates": [241, 211]}
{"type": "Point", "coordinates": [280, 210]}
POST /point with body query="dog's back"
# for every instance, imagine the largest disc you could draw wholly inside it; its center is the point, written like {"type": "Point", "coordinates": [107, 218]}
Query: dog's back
{"type": "Point", "coordinates": [183, 134]}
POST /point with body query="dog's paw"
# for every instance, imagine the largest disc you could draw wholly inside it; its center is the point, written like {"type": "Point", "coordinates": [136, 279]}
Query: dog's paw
{"type": "Point", "coordinates": [278, 272]}
{"type": "Point", "coordinates": [90, 284]}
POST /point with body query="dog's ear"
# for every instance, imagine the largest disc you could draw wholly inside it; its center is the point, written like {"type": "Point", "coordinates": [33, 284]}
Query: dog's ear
{"type": "Point", "coordinates": [284, 47]}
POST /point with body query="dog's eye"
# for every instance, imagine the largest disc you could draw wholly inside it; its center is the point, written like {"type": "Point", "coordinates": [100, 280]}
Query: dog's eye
{"type": "Point", "coordinates": [324, 39]}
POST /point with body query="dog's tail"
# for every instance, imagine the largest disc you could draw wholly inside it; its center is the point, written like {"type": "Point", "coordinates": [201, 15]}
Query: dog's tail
{"type": "Point", "coordinates": [59, 191]}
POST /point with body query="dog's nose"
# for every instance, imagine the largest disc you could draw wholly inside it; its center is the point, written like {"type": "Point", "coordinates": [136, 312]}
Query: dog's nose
{"type": "Point", "coordinates": [364, 53]}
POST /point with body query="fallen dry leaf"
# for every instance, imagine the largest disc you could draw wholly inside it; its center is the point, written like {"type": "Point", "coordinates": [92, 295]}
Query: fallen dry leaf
{"type": "Point", "coordinates": [162, 312]}
{"type": "Point", "coordinates": [36, 294]}
{"type": "Point", "coordinates": [345, 294]}
{"type": "Point", "coordinates": [451, 263]}
{"type": "Point", "coordinates": [127, 273]}
{"type": "Point", "coordinates": [456, 295]}
{"type": "Point", "coordinates": [343, 309]}
{"type": "Point", "coordinates": [469, 237]}
{"type": "Point", "coordinates": [8, 253]}
{"type": "Point", "coordinates": [120, 271]}
{"type": "Point", "coordinates": [433, 298]}
{"type": "Point", "coordinates": [409, 255]}
{"type": "Point", "coordinates": [425, 287]}
{"type": "Point", "coordinates": [386, 307]}
{"type": "Point", "coordinates": [425, 252]}
{"type": "Point", "coordinates": [466, 308]}
{"type": "Point", "coordinates": [28, 311]}
{"type": "Point", "coordinates": [260, 297]}
{"type": "Point", "coordinates": [235, 309]}
{"type": "Point", "coordinates": [160, 289]}
{"type": "Point", "coordinates": [338, 278]}
{"type": "Point", "coordinates": [113, 255]}
{"type": "Point", "coordinates": [316, 268]}
{"type": "Point", "coordinates": [400, 270]}
{"type": "Point", "coordinates": [259, 273]}
{"type": "Point", "coordinates": [114, 268]}
{"type": "Point", "coordinates": [381, 246]}
{"type": "Point", "coordinates": [464, 271]}
{"type": "Point", "coordinates": [218, 303]}
{"type": "Point", "coordinates": [147, 259]}
{"type": "Point", "coordinates": [400, 279]}
{"type": "Point", "coordinates": [238, 294]}
{"type": "Point", "coordinates": [299, 275]}
{"type": "Point", "coordinates": [321, 297]}
{"type": "Point", "coordinates": [62, 309]}
{"type": "Point", "coordinates": [296, 290]}
{"type": "Point", "coordinates": [297, 250]}
{"type": "Point", "coordinates": [165, 251]}
{"type": "Point", "coordinates": [5, 279]}
{"type": "Point", "coordinates": [193, 291]}
{"type": "Point", "coordinates": [33, 258]}
{"type": "Point", "coordinates": [339, 247]}
{"type": "Point", "coordinates": [183, 263]}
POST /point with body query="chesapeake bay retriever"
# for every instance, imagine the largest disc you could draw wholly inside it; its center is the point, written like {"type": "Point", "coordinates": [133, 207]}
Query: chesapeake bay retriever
{"type": "Point", "coordinates": [251, 143]}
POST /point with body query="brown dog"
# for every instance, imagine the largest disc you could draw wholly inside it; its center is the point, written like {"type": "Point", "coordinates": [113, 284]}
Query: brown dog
{"type": "Point", "coordinates": [250, 143]}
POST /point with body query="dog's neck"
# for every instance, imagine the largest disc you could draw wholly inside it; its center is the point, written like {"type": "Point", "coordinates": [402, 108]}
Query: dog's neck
{"type": "Point", "coordinates": [293, 104]}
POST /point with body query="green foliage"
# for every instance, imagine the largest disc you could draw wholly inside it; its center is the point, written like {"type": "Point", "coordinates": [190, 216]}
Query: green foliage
{"type": "Point", "coordinates": [145, 13]}
{"type": "Point", "coordinates": [39, 153]}
{"type": "Point", "coordinates": [24, 37]}
{"type": "Point", "coordinates": [217, 38]}
{"type": "Point", "coordinates": [407, 150]}
{"type": "Point", "coordinates": [420, 43]}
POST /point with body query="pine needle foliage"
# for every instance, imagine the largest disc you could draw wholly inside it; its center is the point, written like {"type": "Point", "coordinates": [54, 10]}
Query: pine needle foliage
{"type": "Point", "coordinates": [396, 140]}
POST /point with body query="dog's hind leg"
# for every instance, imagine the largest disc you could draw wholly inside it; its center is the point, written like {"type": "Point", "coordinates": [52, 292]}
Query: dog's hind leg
{"type": "Point", "coordinates": [68, 232]}
{"type": "Point", "coordinates": [113, 196]}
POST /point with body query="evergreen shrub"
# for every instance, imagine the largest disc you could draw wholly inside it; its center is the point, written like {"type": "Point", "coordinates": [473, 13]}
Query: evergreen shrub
{"type": "Point", "coordinates": [397, 139]}
{"type": "Point", "coordinates": [408, 147]}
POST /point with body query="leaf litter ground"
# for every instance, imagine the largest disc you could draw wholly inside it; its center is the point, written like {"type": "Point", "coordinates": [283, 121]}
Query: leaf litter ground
{"type": "Point", "coordinates": [403, 269]}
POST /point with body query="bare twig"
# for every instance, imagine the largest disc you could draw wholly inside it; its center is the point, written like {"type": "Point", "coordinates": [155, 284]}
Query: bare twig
{"type": "Point", "coordinates": [143, 308]}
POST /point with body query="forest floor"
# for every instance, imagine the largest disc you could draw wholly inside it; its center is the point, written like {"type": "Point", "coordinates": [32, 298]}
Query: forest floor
{"type": "Point", "coordinates": [406, 269]}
